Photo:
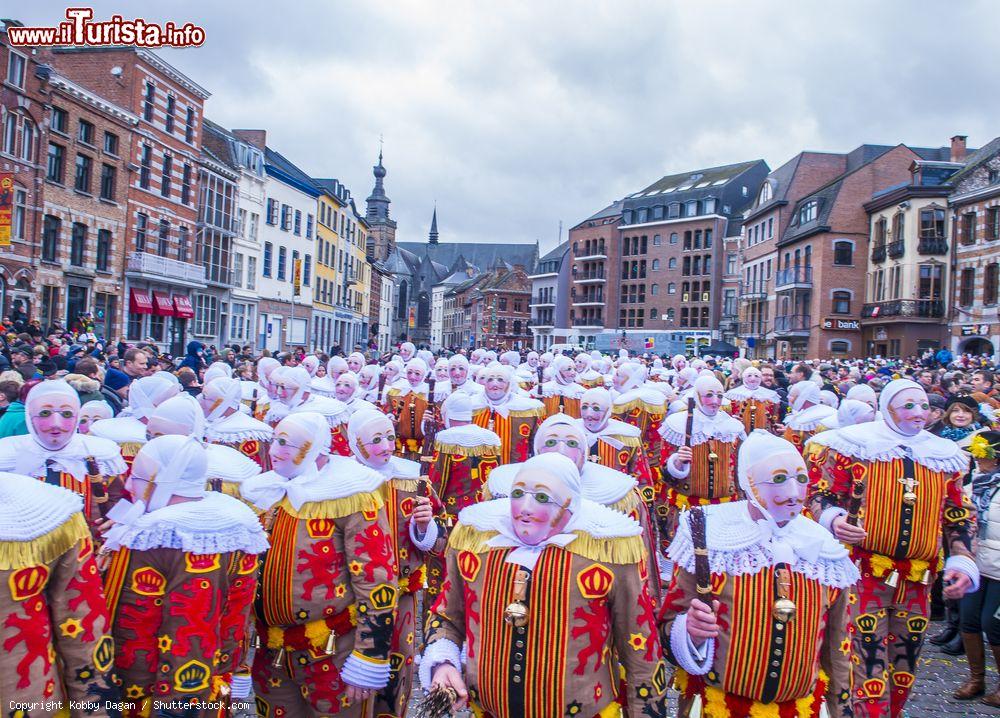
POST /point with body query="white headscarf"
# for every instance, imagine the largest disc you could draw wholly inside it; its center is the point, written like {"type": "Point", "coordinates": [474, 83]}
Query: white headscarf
{"type": "Point", "coordinates": [336, 365]}
{"type": "Point", "coordinates": [407, 351]}
{"type": "Point", "coordinates": [853, 411]}
{"type": "Point", "coordinates": [457, 407]}
{"type": "Point", "coordinates": [759, 445]}
{"type": "Point", "coordinates": [635, 376]}
{"type": "Point", "coordinates": [598, 393]}
{"type": "Point", "coordinates": [864, 393]}
{"type": "Point", "coordinates": [316, 427]}
{"type": "Point", "coordinates": [56, 387]}
{"type": "Point", "coordinates": [216, 370]}
{"type": "Point", "coordinates": [265, 366]}
{"type": "Point", "coordinates": [95, 410]}
{"type": "Point", "coordinates": [148, 392]}
{"type": "Point", "coordinates": [296, 375]}
{"type": "Point", "coordinates": [563, 469]}
{"type": "Point", "coordinates": [510, 358]}
{"type": "Point", "coordinates": [804, 391]}
{"type": "Point", "coordinates": [231, 396]}
{"type": "Point", "coordinates": [829, 399]}
{"type": "Point", "coordinates": [558, 364]}
{"type": "Point", "coordinates": [182, 466]}
{"type": "Point", "coordinates": [493, 369]}
{"type": "Point", "coordinates": [359, 420]}
{"type": "Point", "coordinates": [185, 410]}
{"type": "Point", "coordinates": [353, 379]}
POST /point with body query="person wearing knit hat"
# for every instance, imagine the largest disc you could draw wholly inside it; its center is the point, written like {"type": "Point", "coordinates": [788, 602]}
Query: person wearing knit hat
{"type": "Point", "coordinates": [227, 425]}
{"type": "Point", "coordinates": [182, 565]}
{"type": "Point", "coordinates": [328, 582]}
{"type": "Point", "coordinates": [699, 466]}
{"type": "Point", "coordinates": [756, 406]}
{"type": "Point", "coordinates": [53, 451]}
{"type": "Point", "coordinates": [735, 652]}
{"type": "Point", "coordinates": [576, 578]}
{"type": "Point", "coordinates": [57, 646]}
{"type": "Point", "coordinates": [562, 394]}
{"type": "Point", "coordinates": [511, 416]}
{"type": "Point", "coordinates": [417, 527]}
{"type": "Point", "coordinates": [915, 480]}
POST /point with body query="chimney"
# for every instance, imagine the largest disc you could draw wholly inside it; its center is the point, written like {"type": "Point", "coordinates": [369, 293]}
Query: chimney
{"type": "Point", "coordinates": [257, 138]}
{"type": "Point", "coordinates": [958, 148]}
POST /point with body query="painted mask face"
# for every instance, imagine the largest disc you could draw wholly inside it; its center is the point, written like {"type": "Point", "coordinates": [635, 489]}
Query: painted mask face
{"type": "Point", "coordinates": [581, 365]}
{"type": "Point", "coordinates": [545, 361]}
{"type": "Point", "coordinates": [441, 373]}
{"type": "Point", "coordinates": [779, 485]}
{"type": "Point", "coordinates": [336, 372]}
{"type": "Point", "coordinates": [568, 373]}
{"type": "Point", "coordinates": [711, 400]}
{"type": "Point", "coordinates": [286, 389]}
{"type": "Point", "coordinates": [209, 398]}
{"type": "Point", "coordinates": [406, 353]}
{"type": "Point", "coordinates": [562, 439]}
{"type": "Point", "coordinates": [288, 450]}
{"type": "Point", "coordinates": [496, 387]}
{"type": "Point", "coordinates": [457, 373]}
{"type": "Point", "coordinates": [414, 375]}
{"type": "Point", "coordinates": [160, 426]}
{"type": "Point", "coordinates": [343, 389]}
{"type": "Point", "coordinates": [354, 363]}
{"type": "Point", "coordinates": [594, 415]}
{"type": "Point", "coordinates": [909, 410]}
{"type": "Point", "coordinates": [533, 361]}
{"type": "Point", "coordinates": [538, 506]}
{"type": "Point", "coordinates": [391, 372]}
{"type": "Point", "coordinates": [751, 380]}
{"type": "Point", "coordinates": [619, 379]}
{"type": "Point", "coordinates": [376, 442]}
{"type": "Point", "coordinates": [87, 420]}
{"type": "Point", "coordinates": [140, 481]}
{"type": "Point", "coordinates": [367, 377]}
{"type": "Point", "coordinates": [54, 420]}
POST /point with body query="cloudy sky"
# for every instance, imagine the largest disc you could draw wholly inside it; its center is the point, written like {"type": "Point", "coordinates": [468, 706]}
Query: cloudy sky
{"type": "Point", "coordinates": [515, 116]}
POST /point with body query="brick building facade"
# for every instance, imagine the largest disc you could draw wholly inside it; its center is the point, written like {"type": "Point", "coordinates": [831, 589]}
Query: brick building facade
{"type": "Point", "coordinates": [499, 309]}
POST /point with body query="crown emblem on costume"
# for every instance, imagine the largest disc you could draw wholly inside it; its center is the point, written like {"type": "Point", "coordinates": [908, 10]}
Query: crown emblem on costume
{"type": "Point", "coordinates": [406, 506]}
{"type": "Point", "coordinates": [201, 563]}
{"type": "Point", "coordinates": [148, 581]}
{"type": "Point", "coordinates": [191, 677]}
{"type": "Point", "coordinates": [383, 596]}
{"type": "Point", "coordinates": [320, 528]}
{"type": "Point", "coordinates": [916, 624]}
{"type": "Point", "coordinates": [395, 662]}
{"type": "Point", "coordinates": [874, 687]}
{"type": "Point", "coordinates": [595, 581]}
{"type": "Point", "coordinates": [866, 622]}
{"type": "Point", "coordinates": [248, 563]}
{"type": "Point", "coordinates": [28, 582]}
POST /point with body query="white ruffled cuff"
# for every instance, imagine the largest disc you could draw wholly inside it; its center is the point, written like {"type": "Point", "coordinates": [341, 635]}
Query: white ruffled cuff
{"type": "Point", "coordinates": [362, 672]}
{"type": "Point", "coordinates": [675, 471]}
{"type": "Point", "coordinates": [965, 565]}
{"type": "Point", "coordinates": [440, 651]}
{"type": "Point", "coordinates": [430, 536]}
{"type": "Point", "coordinates": [696, 661]}
{"type": "Point", "coordinates": [826, 518]}
{"type": "Point", "coordinates": [665, 566]}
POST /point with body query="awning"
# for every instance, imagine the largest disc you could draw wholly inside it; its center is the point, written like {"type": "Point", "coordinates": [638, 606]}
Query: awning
{"type": "Point", "coordinates": [162, 306]}
{"type": "Point", "coordinates": [182, 307]}
{"type": "Point", "coordinates": [140, 302]}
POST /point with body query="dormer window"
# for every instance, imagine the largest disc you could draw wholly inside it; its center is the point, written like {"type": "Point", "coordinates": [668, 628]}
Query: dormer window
{"type": "Point", "coordinates": [809, 211]}
{"type": "Point", "coordinates": [765, 194]}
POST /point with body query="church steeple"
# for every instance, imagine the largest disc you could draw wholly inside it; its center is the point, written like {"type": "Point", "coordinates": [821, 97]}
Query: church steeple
{"type": "Point", "coordinates": [377, 202]}
{"type": "Point", "coordinates": [432, 237]}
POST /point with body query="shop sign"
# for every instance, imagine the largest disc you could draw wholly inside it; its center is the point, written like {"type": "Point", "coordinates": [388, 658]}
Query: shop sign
{"type": "Point", "coordinates": [841, 325]}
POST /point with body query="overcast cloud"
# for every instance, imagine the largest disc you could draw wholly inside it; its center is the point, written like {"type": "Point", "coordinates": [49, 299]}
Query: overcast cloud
{"type": "Point", "coordinates": [514, 116]}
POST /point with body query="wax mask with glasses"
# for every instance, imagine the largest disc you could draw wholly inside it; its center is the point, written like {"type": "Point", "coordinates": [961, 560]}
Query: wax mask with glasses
{"type": "Point", "coordinates": [407, 351]}
{"type": "Point", "coordinates": [458, 370]}
{"type": "Point", "coordinates": [416, 370]}
{"type": "Point", "coordinates": [595, 409]}
{"type": "Point", "coordinates": [293, 385]}
{"type": "Point", "coordinates": [391, 372]}
{"type": "Point", "coordinates": [751, 378]}
{"type": "Point", "coordinates": [533, 360]}
{"type": "Point", "coordinates": [777, 483]}
{"type": "Point", "coordinates": [294, 448]}
{"type": "Point", "coordinates": [566, 372]}
{"type": "Point", "coordinates": [93, 411]}
{"type": "Point", "coordinates": [582, 363]}
{"type": "Point", "coordinates": [355, 361]}
{"type": "Point", "coordinates": [560, 434]}
{"type": "Point", "coordinates": [497, 383]}
{"type": "Point", "coordinates": [908, 411]}
{"type": "Point", "coordinates": [708, 394]}
{"type": "Point", "coordinates": [541, 501]}
{"type": "Point", "coordinates": [53, 409]}
{"type": "Point", "coordinates": [368, 376]}
{"type": "Point", "coordinates": [373, 438]}
{"type": "Point", "coordinates": [863, 392]}
{"type": "Point", "coordinates": [346, 387]}
{"type": "Point", "coordinates": [545, 360]}
{"type": "Point", "coordinates": [441, 370]}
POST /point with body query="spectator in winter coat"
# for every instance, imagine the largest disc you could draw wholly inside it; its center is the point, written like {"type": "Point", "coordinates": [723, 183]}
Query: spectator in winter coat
{"type": "Point", "coordinates": [195, 357]}
{"type": "Point", "coordinates": [12, 423]}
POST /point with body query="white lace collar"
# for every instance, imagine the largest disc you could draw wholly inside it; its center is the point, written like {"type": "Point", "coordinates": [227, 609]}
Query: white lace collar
{"type": "Point", "coordinates": [722, 427]}
{"type": "Point", "coordinates": [340, 477]}
{"type": "Point", "coordinates": [30, 508]}
{"type": "Point", "coordinates": [469, 436]}
{"type": "Point", "coordinates": [809, 419]}
{"type": "Point", "coordinates": [238, 427]}
{"type": "Point", "coordinates": [761, 393]}
{"type": "Point", "coordinates": [738, 545]}
{"type": "Point", "coordinates": [876, 441]}
{"type": "Point", "coordinates": [23, 455]}
{"type": "Point", "coordinates": [612, 433]}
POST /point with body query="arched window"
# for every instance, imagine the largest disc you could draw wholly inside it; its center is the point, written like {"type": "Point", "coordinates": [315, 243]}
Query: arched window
{"type": "Point", "coordinates": [423, 310]}
{"type": "Point", "coordinates": [672, 263]}
{"type": "Point", "coordinates": [656, 240]}
{"type": "Point", "coordinates": [673, 238]}
{"type": "Point", "coordinates": [843, 253]}
{"type": "Point", "coordinates": [671, 288]}
{"type": "Point", "coordinates": [765, 194]}
{"type": "Point", "coordinates": [654, 290]}
{"type": "Point", "coordinates": [671, 313]}
{"type": "Point", "coordinates": [656, 265]}
{"type": "Point", "coordinates": [841, 302]}
{"type": "Point", "coordinates": [652, 313]}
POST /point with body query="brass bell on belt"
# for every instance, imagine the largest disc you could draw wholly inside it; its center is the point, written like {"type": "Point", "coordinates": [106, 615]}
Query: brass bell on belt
{"type": "Point", "coordinates": [516, 614]}
{"type": "Point", "coordinates": [928, 578]}
{"type": "Point", "coordinates": [712, 456]}
{"type": "Point", "coordinates": [909, 497]}
{"type": "Point", "coordinates": [892, 579]}
{"type": "Point", "coordinates": [784, 610]}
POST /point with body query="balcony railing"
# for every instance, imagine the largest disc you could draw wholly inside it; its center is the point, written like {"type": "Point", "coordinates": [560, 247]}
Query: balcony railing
{"type": "Point", "coordinates": [895, 249]}
{"type": "Point", "coordinates": [878, 252]}
{"type": "Point", "coordinates": [792, 324]}
{"type": "Point", "coordinates": [592, 276]}
{"type": "Point", "coordinates": [154, 264]}
{"type": "Point", "coordinates": [793, 277]}
{"type": "Point", "coordinates": [932, 246]}
{"type": "Point", "coordinates": [542, 301]}
{"type": "Point", "coordinates": [906, 308]}
{"type": "Point", "coordinates": [588, 322]}
{"type": "Point", "coordinates": [752, 329]}
{"type": "Point", "coordinates": [754, 290]}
